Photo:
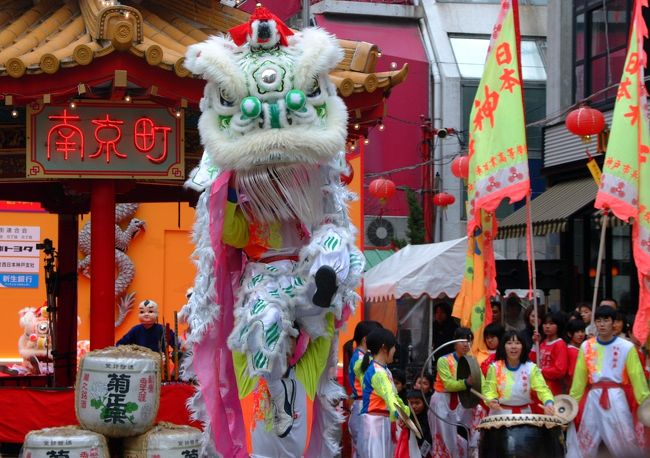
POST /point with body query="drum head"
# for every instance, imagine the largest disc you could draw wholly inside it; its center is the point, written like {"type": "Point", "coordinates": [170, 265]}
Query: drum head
{"type": "Point", "coordinates": [408, 422]}
{"type": "Point", "coordinates": [643, 412]}
{"type": "Point", "coordinates": [566, 408]}
{"type": "Point", "coordinates": [512, 419]}
{"type": "Point", "coordinates": [468, 366]}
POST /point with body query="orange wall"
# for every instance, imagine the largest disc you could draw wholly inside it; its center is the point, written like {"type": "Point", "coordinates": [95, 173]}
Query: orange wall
{"type": "Point", "coordinates": [161, 256]}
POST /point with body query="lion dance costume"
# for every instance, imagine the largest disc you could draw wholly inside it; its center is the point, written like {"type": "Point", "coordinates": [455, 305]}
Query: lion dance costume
{"type": "Point", "coordinates": [274, 246]}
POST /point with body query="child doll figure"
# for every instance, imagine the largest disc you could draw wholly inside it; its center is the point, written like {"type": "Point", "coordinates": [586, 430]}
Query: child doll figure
{"type": "Point", "coordinates": [149, 333]}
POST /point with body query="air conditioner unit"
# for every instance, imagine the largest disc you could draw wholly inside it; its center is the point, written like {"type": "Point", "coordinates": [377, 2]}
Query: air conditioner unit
{"type": "Point", "coordinates": [380, 232]}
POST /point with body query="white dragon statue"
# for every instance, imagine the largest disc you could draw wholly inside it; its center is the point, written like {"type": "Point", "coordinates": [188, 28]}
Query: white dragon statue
{"type": "Point", "coordinates": [123, 264]}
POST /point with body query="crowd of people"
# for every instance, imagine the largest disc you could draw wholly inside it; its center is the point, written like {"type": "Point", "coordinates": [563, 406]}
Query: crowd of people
{"type": "Point", "coordinates": [533, 357]}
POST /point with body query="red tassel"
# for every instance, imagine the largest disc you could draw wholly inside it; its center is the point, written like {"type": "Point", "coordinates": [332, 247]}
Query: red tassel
{"type": "Point", "coordinates": [402, 448]}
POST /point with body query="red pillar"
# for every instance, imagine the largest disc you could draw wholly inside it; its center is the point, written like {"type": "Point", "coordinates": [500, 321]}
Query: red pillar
{"type": "Point", "coordinates": [65, 359]}
{"type": "Point", "coordinates": [102, 280]}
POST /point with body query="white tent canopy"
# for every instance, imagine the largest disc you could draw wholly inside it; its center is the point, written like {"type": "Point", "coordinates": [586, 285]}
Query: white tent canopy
{"type": "Point", "coordinates": [431, 269]}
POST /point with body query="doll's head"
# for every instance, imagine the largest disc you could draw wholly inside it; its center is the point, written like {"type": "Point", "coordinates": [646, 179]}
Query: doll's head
{"type": "Point", "coordinates": [148, 313]}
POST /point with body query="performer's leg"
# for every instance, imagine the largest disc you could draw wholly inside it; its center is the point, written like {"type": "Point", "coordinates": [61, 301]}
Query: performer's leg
{"type": "Point", "coordinates": [354, 422]}
{"type": "Point", "coordinates": [376, 441]}
{"type": "Point", "coordinates": [443, 435]}
{"type": "Point", "coordinates": [466, 417]}
{"type": "Point", "coordinates": [283, 398]}
{"type": "Point", "coordinates": [584, 442]}
{"type": "Point", "coordinates": [618, 427]}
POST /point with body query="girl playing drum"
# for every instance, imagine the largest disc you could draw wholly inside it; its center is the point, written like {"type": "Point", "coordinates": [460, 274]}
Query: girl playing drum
{"type": "Point", "coordinates": [511, 378]}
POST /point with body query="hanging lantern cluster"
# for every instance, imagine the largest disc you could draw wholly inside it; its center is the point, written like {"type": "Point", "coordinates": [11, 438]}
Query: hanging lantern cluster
{"type": "Point", "coordinates": [443, 199]}
{"type": "Point", "coordinates": [382, 189]}
{"type": "Point", "coordinates": [460, 167]}
{"type": "Point", "coordinates": [585, 122]}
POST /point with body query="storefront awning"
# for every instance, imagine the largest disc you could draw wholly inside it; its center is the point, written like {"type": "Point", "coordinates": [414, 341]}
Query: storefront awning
{"type": "Point", "coordinates": [551, 210]}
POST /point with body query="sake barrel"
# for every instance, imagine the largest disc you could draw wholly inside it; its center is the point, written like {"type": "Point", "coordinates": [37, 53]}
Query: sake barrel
{"type": "Point", "coordinates": [118, 390]}
{"type": "Point", "coordinates": [68, 441]}
{"type": "Point", "coordinates": [165, 440]}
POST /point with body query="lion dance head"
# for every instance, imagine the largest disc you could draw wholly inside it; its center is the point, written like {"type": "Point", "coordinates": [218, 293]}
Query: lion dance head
{"type": "Point", "coordinates": [268, 100]}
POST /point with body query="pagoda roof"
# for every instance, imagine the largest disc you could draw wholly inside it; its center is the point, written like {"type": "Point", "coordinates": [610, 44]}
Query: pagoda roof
{"type": "Point", "coordinates": [49, 35]}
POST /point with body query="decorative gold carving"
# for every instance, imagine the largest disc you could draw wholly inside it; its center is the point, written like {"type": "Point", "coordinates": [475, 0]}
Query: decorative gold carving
{"type": "Point", "coordinates": [83, 55]}
{"type": "Point", "coordinates": [371, 83]}
{"type": "Point", "coordinates": [15, 67]}
{"type": "Point", "coordinates": [180, 69]}
{"type": "Point", "coordinates": [49, 63]}
{"type": "Point", "coordinates": [118, 14]}
{"type": "Point", "coordinates": [154, 55]}
{"type": "Point", "coordinates": [122, 35]}
{"type": "Point", "coordinates": [344, 85]}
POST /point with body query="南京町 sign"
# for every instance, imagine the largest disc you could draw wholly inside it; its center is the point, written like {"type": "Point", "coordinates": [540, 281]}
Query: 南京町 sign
{"type": "Point", "coordinates": [105, 140]}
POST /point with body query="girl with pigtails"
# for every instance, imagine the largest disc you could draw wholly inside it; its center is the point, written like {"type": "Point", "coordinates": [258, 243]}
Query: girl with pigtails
{"type": "Point", "coordinates": [379, 396]}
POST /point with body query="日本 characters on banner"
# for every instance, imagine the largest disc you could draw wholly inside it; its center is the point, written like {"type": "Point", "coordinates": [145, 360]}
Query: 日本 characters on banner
{"type": "Point", "coordinates": [497, 143]}
{"type": "Point", "coordinates": [624, 188]}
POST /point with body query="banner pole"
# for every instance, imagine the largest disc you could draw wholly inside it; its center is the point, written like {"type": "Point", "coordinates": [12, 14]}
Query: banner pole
{"type": "Point", "coordinates": [599, 262]}
{"type": "Point", "coordinates": [532, 271]}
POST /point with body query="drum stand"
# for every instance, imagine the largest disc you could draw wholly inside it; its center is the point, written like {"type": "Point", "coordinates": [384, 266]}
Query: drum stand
{"type": "Point", "coordinates": [470, 448]}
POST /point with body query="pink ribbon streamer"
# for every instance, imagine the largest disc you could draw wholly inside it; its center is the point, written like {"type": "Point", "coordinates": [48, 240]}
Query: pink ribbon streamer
{"type": "Point", "coordinates": [212, 359]}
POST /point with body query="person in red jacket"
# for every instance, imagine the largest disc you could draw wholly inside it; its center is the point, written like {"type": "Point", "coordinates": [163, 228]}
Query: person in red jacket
{"type": "Point", "coordinates": [575, 331]}
{"type": "Point", "coordinates": [553, 353]}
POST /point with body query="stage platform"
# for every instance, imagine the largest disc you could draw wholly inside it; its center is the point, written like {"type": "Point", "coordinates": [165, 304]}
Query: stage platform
{"type": "Point", "coordinates": [27, 408]}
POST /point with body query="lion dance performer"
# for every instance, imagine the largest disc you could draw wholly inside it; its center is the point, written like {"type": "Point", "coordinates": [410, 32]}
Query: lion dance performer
{"type": "Point", "coordinates": [275, 246]}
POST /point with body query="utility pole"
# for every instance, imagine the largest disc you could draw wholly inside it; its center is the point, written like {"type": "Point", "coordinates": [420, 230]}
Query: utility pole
{"type": "Point", "coordinates": [305, 13]}
{"type": "Point", "coordinates": [427, 178]}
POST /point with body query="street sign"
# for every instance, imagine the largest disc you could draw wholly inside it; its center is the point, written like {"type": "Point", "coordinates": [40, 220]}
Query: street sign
{"type": "Point", "coordinates": [20, 233]}
{"type": "Point", "coordinates": [19, 257]}
{"type": "Point", "coordinates": [18, 280]}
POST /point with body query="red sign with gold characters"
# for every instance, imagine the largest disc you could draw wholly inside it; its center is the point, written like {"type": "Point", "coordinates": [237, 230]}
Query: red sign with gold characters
{"type": "Point", "coordinates": [105, 140]}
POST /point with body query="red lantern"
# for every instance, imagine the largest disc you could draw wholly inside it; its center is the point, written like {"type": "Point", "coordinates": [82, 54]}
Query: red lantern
{"type": "Point", "coordinates": [382, 189]}
{"type": "Point", "coordinates": [346, 177]}
{"type": "Point", "coordinates": [585, 121]}
{"type": "Point", "coordinates": [460, 167]}
{"type": "Point", "coordinates": [443, 199]}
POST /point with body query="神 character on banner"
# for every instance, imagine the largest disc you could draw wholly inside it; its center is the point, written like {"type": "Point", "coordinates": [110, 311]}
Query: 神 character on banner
{"type": "Point", "coordinates": [275, 247]}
